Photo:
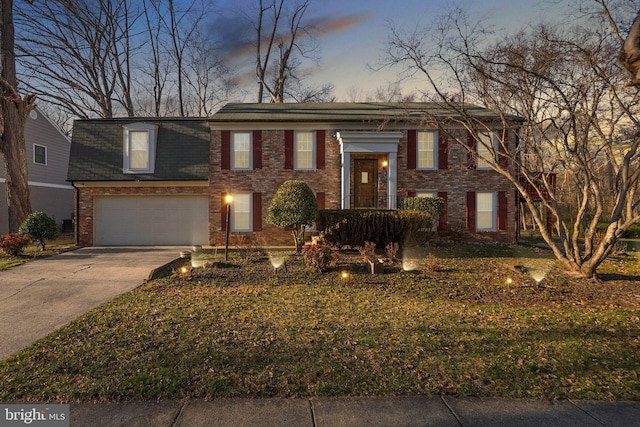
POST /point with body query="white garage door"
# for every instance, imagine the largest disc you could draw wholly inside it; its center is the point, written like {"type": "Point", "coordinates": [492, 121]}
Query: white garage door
{"type": "Point", "coordinates": [151, 220]}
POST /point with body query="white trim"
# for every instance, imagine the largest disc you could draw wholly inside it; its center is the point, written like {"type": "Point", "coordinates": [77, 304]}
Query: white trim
{"type": "Point", "coordinates": [135, 184]}
{"type": "Point", "coordinates": [46, 154]}
{"type": "Point", "coordinates": [43, 184]}
{"type": "Point", "coordinates": [233, 212]}
{"type": "Point", "coordinates": [313, 150]}
{"type": "Point", "coordinates": [370, 142]}
{"type": "Point", "coordinates": [434, 151]}
{"type": "Point", "coordinates": [494, 210]}
{"type": "Point", "coordinates": [233, 151]}
{"type": "Point", "coordinates": [152, 137]}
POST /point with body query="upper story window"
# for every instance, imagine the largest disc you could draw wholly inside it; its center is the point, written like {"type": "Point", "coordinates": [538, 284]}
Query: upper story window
{"type": "Point", "coordinates": [39, 154]}
{"type": "Point", "coordinates": [241, 150]}
{"type": "Point", "coordinates": [427, 150]}
{"type": "Point", "coordinates": [304, 150]}
{"type": "Point", "coordinates": [486, 154]}
{"type": "Point", "coordinates": [139, 151]}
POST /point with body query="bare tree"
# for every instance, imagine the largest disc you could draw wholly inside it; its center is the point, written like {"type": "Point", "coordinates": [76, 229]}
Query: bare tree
{"type": "Point", "coordinates": [14, 110]}
{"type": "Point", "coordinates": [208, 78]}
{"type": "Point", "coordinates": [76, 54]}
{"type": "Point", "coordinates": [279, 29]}
{"type": "Point", "coordinates": [577, 116]}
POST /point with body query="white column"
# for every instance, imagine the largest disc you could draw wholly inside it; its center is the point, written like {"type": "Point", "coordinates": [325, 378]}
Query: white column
{"type": "Point", "coordinates": [392, 181]}
{"type": "Point", "coordinates": [346, 174]}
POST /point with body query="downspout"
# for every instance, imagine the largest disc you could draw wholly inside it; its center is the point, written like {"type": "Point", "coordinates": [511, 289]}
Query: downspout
{"type": "Point", "coordinates": [76, 211]}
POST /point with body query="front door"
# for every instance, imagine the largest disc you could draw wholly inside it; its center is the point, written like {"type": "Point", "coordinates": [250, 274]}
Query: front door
{"type": "Point", "coordinates": [366, 183]}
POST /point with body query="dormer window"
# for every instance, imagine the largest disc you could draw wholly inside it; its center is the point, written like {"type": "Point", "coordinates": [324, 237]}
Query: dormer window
{"type": "Point", "coordinates": [139, 150]}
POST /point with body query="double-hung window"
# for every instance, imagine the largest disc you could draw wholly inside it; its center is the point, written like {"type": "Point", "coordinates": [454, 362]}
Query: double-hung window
{"type": "Point", "coordinates": [486, 211]}
{"type": "Point", "coordinates": [139, 149]}
{"type": "Point", "coordinates": [427, 150]}
{"type": "Point", "coordinates": [241, 210]}
{"type": "Point", "coordinates": [241, 150]}
{"type": "Point", "coordinates": [304, 150]}
{"type": "Point", "coordinates": [487, 147]}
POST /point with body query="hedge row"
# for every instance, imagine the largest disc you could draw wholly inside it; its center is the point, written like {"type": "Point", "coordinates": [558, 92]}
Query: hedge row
{"type": "Point", "coordinates": [353, 227]}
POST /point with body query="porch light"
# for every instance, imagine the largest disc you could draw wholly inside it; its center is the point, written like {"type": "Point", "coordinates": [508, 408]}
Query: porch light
{"type": "Point", "coordinates": [385, 164]}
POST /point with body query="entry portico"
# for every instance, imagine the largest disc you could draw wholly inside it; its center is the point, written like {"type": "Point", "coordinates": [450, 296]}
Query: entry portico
{"type": "Point", "coordinates": [375, 143]}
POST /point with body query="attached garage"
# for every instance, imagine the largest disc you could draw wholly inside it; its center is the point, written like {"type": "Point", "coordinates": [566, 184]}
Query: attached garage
{"type": "Point", "coordinates": [151, 220]}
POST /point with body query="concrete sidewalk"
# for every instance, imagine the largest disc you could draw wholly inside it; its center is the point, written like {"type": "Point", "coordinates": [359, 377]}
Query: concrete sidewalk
{"type": "Point", "coordinates": [440, 411]}
{"type": "Point", "coordinates": [41, 296]}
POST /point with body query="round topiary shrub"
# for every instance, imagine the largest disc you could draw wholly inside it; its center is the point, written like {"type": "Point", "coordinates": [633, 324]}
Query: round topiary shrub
{"type": "Point", "coordinates": [294, 205]}
{"type": "Point", "coordinates": [41, 227]}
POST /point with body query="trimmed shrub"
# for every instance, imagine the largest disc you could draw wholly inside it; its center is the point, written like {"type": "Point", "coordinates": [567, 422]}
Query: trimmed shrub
{"type": "Point", "coordinates": [319, 257]}
{"type": "Point", "coordinates": [294, 205]}
{"type": "Point", "coordinates": [14, 243]}
{"type": "Point", "coordinates": [433, 205]}
{"type": "Point", "coordinates": [355, 226]}
{"type": "Point", "coordinates": [41, 227]}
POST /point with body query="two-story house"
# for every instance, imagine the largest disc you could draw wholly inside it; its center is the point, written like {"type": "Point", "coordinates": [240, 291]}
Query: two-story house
{"type": "Point", "coordinates": [164, 181]}
{"type": "Point", "coordinates": [47, 152]}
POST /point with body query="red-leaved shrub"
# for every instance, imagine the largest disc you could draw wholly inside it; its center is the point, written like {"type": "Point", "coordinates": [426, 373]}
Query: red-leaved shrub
{"type": "Point", "coordinates": [14, 243]}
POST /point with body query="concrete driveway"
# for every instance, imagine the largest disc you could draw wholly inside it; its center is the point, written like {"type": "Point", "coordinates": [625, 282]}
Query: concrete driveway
{"type": "Point", "coordinates": [41, 296]}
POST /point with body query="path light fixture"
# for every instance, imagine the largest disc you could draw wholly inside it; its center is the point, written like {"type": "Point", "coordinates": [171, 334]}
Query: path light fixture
{"type": "Point", "coordinates": [228, 199]}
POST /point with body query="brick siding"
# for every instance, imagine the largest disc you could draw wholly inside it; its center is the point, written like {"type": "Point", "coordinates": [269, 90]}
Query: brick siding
{"type": "Point", "coordinates": [456, 181]}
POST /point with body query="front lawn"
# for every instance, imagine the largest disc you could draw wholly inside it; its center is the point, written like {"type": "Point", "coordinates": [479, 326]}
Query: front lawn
{"type": "Point", "coordinates": [485, 320]}
{"type": "Point", "coordinates": [53, 247]}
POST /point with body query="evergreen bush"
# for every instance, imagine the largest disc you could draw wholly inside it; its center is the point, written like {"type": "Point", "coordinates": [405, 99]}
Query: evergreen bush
{"type": "Point", "coordinates": [41, 227]}
{"type": "Point", "coordinates": [353, 227]}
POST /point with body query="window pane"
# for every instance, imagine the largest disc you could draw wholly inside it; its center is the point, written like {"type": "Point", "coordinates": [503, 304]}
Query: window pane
{"type": "Point", "coordinates": [426, 145]}
{"type": "Point", "coordinates": [426, 194]}
{"type": "Point", "coordinates": [241, 212]}
{"type": "Point", "coordinates": [304, 150]}
{"type": "Point", "coordinates": [485, 211]}
{"type": "Point", "coordinates": [40, 154]}
{"type": "Point", "coordinates": [241, 150]}
{"type": "Point", "coordinates": [139, 149]}
{"type": "Point", "coordinates": [484, 152]}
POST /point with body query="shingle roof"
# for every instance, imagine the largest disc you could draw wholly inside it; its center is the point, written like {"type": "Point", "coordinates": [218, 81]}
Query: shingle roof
{"type": "Point", "coordinates": [344, 112]}
{"type": "Point", "coordinates": [182, 150]}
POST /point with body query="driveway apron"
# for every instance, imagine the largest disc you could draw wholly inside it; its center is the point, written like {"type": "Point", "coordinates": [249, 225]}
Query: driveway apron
{"type": "Point", "coordinates": [41, 296]}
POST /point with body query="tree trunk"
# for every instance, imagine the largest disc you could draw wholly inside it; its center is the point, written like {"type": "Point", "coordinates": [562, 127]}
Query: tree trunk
{"type": "Point", "coordinates": [14, 111]}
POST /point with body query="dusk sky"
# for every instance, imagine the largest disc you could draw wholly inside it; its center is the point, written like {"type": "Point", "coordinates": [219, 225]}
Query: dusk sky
{"type": "Point", "coordinates": [356, 32]}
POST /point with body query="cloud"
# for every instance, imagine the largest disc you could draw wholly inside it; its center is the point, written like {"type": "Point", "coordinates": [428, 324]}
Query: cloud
{"type": "Point", "coordinates": [326, 25]}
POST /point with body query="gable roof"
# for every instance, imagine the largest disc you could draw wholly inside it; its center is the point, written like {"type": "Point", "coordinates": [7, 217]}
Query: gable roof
{"type": "Point", "coordinates": [345, 112]}
{"type": "Point", "coordinates": [182, 151]}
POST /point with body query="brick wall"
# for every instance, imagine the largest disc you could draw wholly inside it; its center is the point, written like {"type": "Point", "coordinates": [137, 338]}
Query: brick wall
{"type": "Point", "coordinates": [456, 181]}
{"type": "Point", "coordinates": [266, 181]}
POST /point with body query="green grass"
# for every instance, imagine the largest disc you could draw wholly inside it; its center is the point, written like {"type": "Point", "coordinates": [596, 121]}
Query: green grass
{"type": "Point", "coordinates": [477, 326]}
{"type": "Point", "coordinates": [53, 247]}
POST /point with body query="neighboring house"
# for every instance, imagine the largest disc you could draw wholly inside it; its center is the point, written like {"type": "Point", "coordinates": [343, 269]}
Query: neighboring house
{"type": "Point", "coordinates": [47, 152]}
{"type": "Point", "coordinates": [164, 181]}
